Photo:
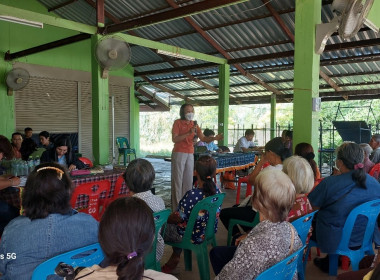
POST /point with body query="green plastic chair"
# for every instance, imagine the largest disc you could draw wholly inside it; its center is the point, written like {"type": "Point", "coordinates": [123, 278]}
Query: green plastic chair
{"type": "Point", "coordinates": [210, 204]}
{"type": "Point", "coordinates": [160, 219]}
{"type": "Point", "coordinates": [124, 149]}
{"type": "Point", "coordinates": [38, 153]}
{"type": "Point", "coordinates": [234, 222]}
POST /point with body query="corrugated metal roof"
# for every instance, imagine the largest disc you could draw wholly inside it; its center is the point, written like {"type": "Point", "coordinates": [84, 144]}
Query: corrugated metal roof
{"type": "Point", "coordinates": [247, 29]}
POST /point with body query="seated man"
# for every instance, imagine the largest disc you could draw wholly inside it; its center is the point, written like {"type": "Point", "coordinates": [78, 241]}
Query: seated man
{"type": "Point", "coordinates": [375, 145]}
{"type": "Point", "coordinates": [245, 143]}
{"type": "Point", "coordinates": [16, 144]}
{"type": "Point", "coordinates": [211, 146]}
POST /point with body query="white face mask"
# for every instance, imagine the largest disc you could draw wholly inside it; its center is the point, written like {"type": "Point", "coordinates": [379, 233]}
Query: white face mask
{"type": "Point", "coordinates": [189, 116]}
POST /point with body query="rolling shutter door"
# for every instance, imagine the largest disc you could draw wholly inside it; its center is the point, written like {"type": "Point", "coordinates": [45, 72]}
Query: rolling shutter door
{"type": "Point", "coordinates": [121, 94]}
{"type": "Point", "coordinates": [47, 104]}
{"type": "Point", "coordinates": [85, 134]}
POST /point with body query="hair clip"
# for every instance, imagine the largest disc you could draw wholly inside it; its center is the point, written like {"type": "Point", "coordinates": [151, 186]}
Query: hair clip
{"type": "Point", "coordinates": [131, 255]}
{"type": "Point", "coordinates": [208, 177]}
{"type": "Point", "coordinates": [358, 165]}
{"type": "Point", "coordinates": [59, 171]}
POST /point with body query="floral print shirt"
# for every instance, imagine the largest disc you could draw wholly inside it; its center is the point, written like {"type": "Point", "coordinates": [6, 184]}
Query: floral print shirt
{"type": "Point", "coordinates": [266, 244]}
{"type": "Point", "coordinates": [185, 206]}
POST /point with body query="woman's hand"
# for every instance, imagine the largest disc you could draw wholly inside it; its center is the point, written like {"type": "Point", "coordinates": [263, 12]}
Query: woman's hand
{"type": "Point", "coordinates": [219, 137]}
{"type": "Point", "coordinates": [240, 238]}
{"type": "Point", "coordinates": [72, 167]}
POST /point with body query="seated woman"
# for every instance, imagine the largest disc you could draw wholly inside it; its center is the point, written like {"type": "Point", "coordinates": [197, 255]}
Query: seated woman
{"type": "Point", "coordinates": [306, 151]}
{"type": "Point", "coordinates": [205, 168]}
{"type": "Point", "coordinates": [275, 153]}
{"type": "Point", "coordinates": [302, 176]}
{"type": "Point", "coordinates": [272, 240]}
{"type": "Point", "coordinates": [139, 177]}
{"type": "Point", "coordinates": [368, 164]}
{"type": "Point", "coordinates": [7, 212]}
{"type": "Point", "coordinates": [336, 196]}
{"type": "Point", "coordinates": [63, 154]}
{"type": "Point", "coordinates": [49, 226]}
{"type": "Point", "coordinates": [126, 233]}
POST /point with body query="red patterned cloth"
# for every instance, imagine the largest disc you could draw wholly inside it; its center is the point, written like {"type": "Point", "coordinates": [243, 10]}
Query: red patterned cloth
{"type": "Point", "coordinates": [110, 175]}
{"type": "Point", "coordinates": [300, 208]}
{"type": "Point", "coordinates": [11, 195]}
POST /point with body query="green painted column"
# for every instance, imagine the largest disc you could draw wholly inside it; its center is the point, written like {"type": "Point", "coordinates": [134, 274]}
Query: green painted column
{"type": "Point", "coordinates": [224, 102]}
{"type": "Point", "coordinates": [100, 109]}
{"type": "Point", "coordinates": [134, 124]}
{"type": "Point", "coordinates": [306, 73]}
{"type": "Point", "coordinates": [7, 103]}
{"type": "Point", "coordinates": [273, 116]}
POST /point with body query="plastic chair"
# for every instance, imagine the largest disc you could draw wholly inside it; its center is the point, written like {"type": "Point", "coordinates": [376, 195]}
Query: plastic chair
{"type": "Point", "coordinates": [38, 153]}
{"type": "Point", "coordinates": [210, 204]}
{"type": "Point", "coordinates": [234, 222]}
{"type": "Point", "coordinates": [160, 218]}
{"type": "Point", "coordinates": [82, 257]}
{"type": "Point", "coordinates": [303, 225]}
{"type": "Point", "coordinates": [375, 171]}
{"type": "Point", "coordinates": [247, 192]}
{"type": "Point", "coordinates": [86, 161]}
{"type": "Point", "coordinates": [95, 207]}
{"type": "Point", "coordinates": [124, 149]}
{"type": "Point", "coordinates": [284, 270]}
{"type": "Point", "coordinates": [370, 210]}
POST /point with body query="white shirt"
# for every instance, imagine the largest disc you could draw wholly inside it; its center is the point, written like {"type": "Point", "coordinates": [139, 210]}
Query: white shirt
{"type": "Point", "coordinates": [243, 143]}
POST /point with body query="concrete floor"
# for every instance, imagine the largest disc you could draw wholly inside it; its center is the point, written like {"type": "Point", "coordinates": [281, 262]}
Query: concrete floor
{"type": "Point", "coordinates": [162, 185]}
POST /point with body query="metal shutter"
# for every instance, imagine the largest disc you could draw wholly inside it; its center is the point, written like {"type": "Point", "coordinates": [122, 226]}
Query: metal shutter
{"type": "Point", "coordinates": [121, 103]}
{"type": "Point", "coordinates": [85, 133]}
{"type": "Point", "coordinates": [47, 104]}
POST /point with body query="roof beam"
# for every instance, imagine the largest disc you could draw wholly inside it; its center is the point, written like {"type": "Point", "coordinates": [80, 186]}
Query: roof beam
{"type": "Point", "coordinates": [153, 99]}
{"type": "Point", "coordinates": [107, 14]}
{"type": "Point", "coordinates": [188, 10]}
{"type": "Point", "coordinates": [47, 19]}
{"type": "Point", "coordinates": [291, 37]}
{"type": "Point", "coordinates": [173, 49]}
{"type": "Point", "coordinates": [63, 42]}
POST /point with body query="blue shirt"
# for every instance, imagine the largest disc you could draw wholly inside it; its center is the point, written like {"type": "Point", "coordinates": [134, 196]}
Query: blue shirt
{"type": "Point", "coordinates": [330, 220]}
{"type": "Point", "coordinates": [35, 241]}
{"type": "Point", "coordinates": [210, 146]}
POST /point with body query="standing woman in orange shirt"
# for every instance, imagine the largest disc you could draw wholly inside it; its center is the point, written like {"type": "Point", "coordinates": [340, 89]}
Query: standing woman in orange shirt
{"type": "Point", "coordinates": [183, 132]}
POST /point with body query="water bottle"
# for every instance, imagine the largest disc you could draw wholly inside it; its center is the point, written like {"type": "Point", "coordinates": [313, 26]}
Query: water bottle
{"type": "Point", "coordinates": [30, 164]}
{"type": "Point", "coordinates": [37, 161]}
{"type": "Point", "coordinates": [25, 168]}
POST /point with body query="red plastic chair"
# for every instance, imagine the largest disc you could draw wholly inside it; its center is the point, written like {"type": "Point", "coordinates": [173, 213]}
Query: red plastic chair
{"type": "Point", "coordinates": [247, 192]}
{"type": "Point", "coordinates": [86, 161]}
{"type": "Point", "coordinates": [90, 198]}
{"type": "Point", "coordinates": [375, 171]}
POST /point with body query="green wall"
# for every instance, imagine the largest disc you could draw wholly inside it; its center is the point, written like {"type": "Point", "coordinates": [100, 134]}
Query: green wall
{"type": "Point", "coordinates": [17, 37]}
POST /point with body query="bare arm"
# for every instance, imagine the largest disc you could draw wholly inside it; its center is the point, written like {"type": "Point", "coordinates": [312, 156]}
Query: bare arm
{"type": "Point", "coordinates": [7, 181]}
{"type": "Point", "coordinates": [256, 171]}
{"type": "Point", "coordinates": [208, 138]}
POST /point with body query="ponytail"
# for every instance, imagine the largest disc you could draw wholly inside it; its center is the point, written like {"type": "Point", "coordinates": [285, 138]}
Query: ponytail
{"type": "Point", "coordinates": [130, 269]}
{"type": "Point", "coordinates": [209, 187]}
{"type": "Point", "coordinates": [206, 169]}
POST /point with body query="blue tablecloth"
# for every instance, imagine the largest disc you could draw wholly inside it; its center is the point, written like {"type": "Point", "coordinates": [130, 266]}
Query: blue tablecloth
{"type": "Point", "coordinates": [233, 159]}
